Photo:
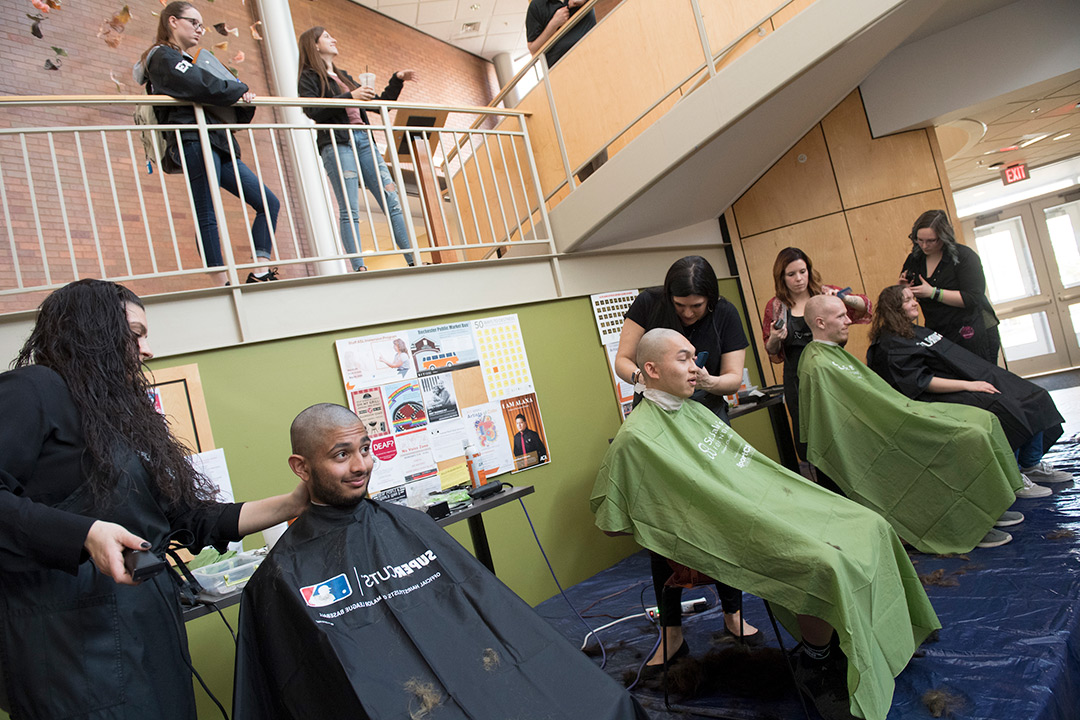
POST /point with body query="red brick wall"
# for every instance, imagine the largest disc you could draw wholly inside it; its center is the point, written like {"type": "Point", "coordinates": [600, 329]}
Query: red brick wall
{"type": "Point", "coordinates": [447, 75]}
{"type": "Point", "coordinates": [370, 42]}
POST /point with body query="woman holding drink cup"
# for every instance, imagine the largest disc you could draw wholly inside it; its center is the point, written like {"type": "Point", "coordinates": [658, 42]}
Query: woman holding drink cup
{"type": "Point", "coordinates": [321, 78]}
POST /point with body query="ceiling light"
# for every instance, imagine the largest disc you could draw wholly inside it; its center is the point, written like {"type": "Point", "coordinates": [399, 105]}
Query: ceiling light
{"type": "Point", "coordinates": [474, 7]}
{"type": "Point", "coordinates": [1062, 136]}
{"type": "Point", "coordinates": [1035, 110]}
{"type": "Point", "coordinates": [470, 27]}
{"type": "Point", "coordinates": [1034, 140]}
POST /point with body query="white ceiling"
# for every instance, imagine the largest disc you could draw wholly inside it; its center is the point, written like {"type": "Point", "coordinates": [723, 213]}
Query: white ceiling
{"type": "Point", "coordinates": [502, 22]}
{"type": "Point", "coordinates": [989, 135]}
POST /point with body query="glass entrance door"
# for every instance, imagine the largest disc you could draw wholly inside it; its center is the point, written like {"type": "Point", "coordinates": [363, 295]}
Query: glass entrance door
{"type": "Point", "coordinates": [1031, 256]}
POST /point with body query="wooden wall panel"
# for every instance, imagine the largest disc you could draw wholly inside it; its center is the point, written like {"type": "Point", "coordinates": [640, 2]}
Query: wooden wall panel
{"type": "Point", "coordinates": [862, 246]}
{"type": "Point", "coordinates": [606, 81]}
{"type": "Point", "coordinates": [643, 124]}
{"type": "Point", "coordinates": [790, 11]}
{"type": "Point", "coordinates": [742, 46]}
{"type": "Point", "coordinates": [184, 405]}
{"type": "Point", "coordinates": [879, 233]}
{"type": "Point", "coordinates": [791, 191]}
{"type": "Point", "coordinates": [494, 206]}
{"type": "Point", "coordinates": [726, 20]}
{"type": "Point", "coordinates": [827, 242]}
{"type": "Point", "coordinates": [545, 146]}
{"type": "Point", "coordinates": [871, 170]}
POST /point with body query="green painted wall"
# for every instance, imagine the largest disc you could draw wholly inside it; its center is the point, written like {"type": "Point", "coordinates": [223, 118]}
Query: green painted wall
{"type": "Point", "coordinates": [253, 393]}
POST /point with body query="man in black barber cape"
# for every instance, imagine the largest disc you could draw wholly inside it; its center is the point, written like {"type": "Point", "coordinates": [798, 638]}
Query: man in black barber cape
{"type": "Point", "coordinates": [368, 609]}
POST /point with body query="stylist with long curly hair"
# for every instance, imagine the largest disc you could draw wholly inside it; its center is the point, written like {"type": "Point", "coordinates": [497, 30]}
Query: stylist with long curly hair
{"type": "Point", "coordinates": [89, 469]}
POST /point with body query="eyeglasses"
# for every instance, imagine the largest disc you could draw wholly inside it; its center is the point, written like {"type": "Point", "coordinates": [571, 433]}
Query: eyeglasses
{"type": "Point", "coordinates": [195, 24]}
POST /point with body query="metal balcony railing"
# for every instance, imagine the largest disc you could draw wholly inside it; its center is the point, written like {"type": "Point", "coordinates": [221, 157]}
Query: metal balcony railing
{"type": "Point", "coordinates": [79, 198]}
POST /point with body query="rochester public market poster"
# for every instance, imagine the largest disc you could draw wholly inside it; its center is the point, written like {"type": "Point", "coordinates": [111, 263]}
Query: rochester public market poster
{"type": "Point", "coordinates": [422, 393]}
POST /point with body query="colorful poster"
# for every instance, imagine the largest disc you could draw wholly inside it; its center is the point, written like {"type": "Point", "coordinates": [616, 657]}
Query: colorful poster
{"type": "Point", "coordinates": [528, 441]}
{"type": "Point", "coordinates": [442, 348]}
{"type": "Point", "coordinates": [405, 459]}
{"type": "Point", "coordinates": [405, 406]}
{"type": "Point", "coordinates": [155, 397]}
{"type": "Point", "coordinates": [502, 356]}
{"type": "Point", "coordinates": [439, 397]}
{"type": "Point", "coordinates": [374, 360]}
{"type": "Point", "coordinates": [368, 406]}
{"type": "Point", "coordinates": [423, 394]}
{"type": "Point", "coordinates": [488, 429]}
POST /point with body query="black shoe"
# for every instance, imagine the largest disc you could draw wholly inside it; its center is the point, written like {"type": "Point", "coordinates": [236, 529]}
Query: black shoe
{"type": "Point", "coordinates": [824, 684]}
{"type": "Point", "coordinates": [651, 671]}
{"type": "Point", "coordinates": [726, 635]}
{"type": "Point", "coordinates": [271, 274]}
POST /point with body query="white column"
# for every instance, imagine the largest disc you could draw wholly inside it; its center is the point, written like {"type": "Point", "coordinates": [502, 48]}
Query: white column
{"type": "Point", "coordinates": [281, 55]}
{"type": "Point", "coordinates": [504, 73]}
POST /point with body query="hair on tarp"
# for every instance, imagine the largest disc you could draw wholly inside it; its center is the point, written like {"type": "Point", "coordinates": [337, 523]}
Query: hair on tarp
{"type": "Point", "coordinates": [941, 702]}
{"type": "Point", "coordinates": [736, 670]}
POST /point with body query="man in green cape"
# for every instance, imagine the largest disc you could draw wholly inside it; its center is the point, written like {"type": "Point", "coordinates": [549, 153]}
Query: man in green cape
{"type": "Point", "coordinates": [689, 488]}
{"type": "Point", "coordinates": [942, 474]}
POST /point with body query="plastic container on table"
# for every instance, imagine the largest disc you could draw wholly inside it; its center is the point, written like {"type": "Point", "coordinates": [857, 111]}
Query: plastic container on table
{"type": "Point", "coordinates": [226, 576]}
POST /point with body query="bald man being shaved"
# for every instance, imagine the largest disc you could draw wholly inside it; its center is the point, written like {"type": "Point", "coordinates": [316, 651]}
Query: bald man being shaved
{"type": "Point", "coordinates": [942, 474]}
{"type": "Point", "coordinates": [687, 487]}
{"type": "Point", "coordinates": [368, 609]}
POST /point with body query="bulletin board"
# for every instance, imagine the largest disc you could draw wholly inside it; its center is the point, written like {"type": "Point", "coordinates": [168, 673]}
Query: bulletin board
{"type": "Point", "coordinates": [424, 393]}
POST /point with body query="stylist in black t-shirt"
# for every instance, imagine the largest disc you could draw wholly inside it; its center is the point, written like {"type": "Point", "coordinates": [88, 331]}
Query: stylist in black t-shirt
{"type": "Point", "coordinates": [690, 303]}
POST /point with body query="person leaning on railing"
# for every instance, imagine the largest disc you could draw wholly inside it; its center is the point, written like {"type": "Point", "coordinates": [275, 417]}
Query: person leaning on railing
{"type": "Point", "coordinates": [168, 67]}
{"type": "Point", "coordinates": [544, 18]}
{"type": "Point", "coordinates": [321, 78]}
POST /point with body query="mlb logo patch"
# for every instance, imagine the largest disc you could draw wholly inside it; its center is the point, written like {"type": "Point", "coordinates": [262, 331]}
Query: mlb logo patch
{"type": "Point", "coordinates": [327, 592]}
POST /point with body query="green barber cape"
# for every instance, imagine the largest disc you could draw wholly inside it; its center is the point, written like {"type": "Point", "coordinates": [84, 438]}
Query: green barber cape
{"type": "Point", "coordinates": [940, 473]}
{"type": "Point", "coordinates": [689, 488]}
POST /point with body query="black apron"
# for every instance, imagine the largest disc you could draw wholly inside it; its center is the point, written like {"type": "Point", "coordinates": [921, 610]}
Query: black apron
{"type": "Point", "coordinates": [82, 645]}
{"type": "Point", "coordinates": [1022, 407]}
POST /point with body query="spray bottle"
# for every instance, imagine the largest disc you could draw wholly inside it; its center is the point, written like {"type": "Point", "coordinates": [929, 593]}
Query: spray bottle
{"type": "Point", "coordinates": [475, 463]}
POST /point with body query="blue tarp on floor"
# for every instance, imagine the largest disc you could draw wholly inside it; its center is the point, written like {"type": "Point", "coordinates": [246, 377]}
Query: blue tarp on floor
{"type": "Point", "coordinates": [1009, 647]}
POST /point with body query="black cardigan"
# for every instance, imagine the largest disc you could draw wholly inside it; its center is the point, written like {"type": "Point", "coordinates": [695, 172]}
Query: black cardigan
{"type": "Point", "coordinates": [308, 86]}
{"type": "Point", "coordinates": [170, 72]}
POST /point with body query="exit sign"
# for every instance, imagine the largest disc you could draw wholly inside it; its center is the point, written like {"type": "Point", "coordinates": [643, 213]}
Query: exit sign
{"type": "Point", "coordinates": [1014, 173]}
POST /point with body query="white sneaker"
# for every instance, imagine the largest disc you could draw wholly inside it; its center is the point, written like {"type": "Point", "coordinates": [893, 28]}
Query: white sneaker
{"type": "Point", "coordinates": [1044, 473]}
{"type": "Point", "coordinates": [1031, 490]}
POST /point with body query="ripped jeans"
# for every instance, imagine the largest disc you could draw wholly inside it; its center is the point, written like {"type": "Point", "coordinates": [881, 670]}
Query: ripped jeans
{"type": "Point", "coordinates": [347, 191]}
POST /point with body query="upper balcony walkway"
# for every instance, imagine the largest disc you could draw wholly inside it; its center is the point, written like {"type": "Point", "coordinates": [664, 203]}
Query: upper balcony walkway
{"type": "Point", "coordinates": [681, 104]}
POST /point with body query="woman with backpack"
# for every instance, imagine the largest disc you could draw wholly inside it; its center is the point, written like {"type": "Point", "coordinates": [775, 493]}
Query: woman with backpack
{"type": "Point", "coordinates": [169, 68]}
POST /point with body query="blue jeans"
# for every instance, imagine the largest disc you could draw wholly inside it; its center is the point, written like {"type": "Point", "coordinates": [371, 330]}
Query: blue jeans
{"type": "Point", "coordinates": [204, 205]}
{"type": "Point", "coordinates": [1030, 453]}
{"type": "Point", "coordinates": [347, 191]}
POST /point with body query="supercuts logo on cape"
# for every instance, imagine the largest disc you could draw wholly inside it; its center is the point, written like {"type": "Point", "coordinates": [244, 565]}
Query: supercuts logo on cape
{"type": "Point", "coordinates": [338, 588]}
